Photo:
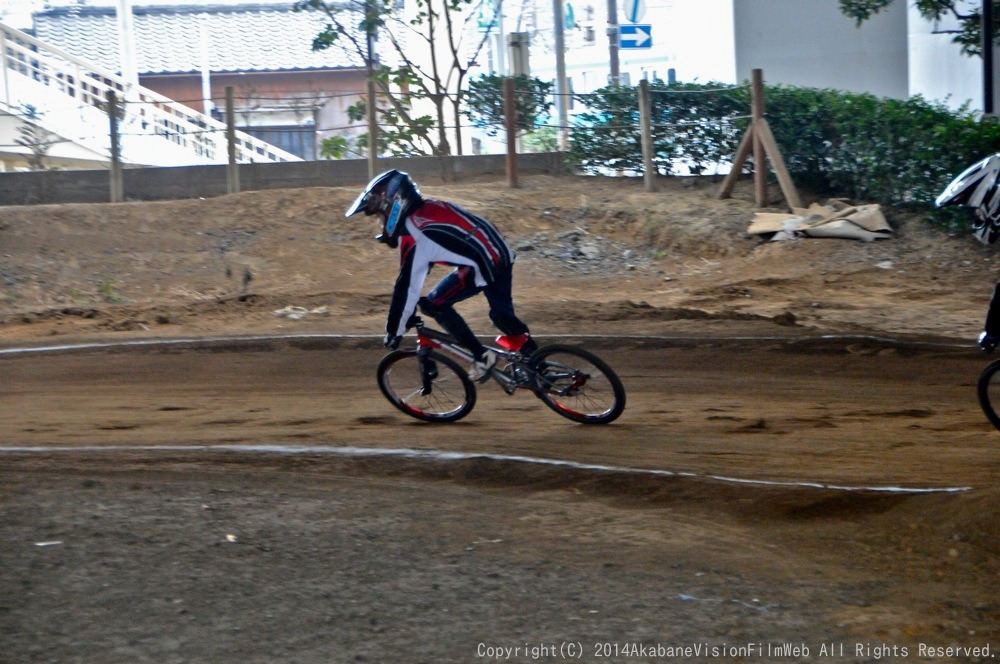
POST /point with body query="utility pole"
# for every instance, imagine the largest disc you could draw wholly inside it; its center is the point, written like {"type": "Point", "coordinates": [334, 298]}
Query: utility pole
{"type": "Point", "coordinates": [615, 68]}
{"type": "Point", "coordinates": [117, 189]}
{"type": "Point", "coordinates": [206, 67]}
{"type": "Point", "coordinates": [986, 27]}
{"type": "Point", "coordinates": [370, 67]}
{"type": "Point", "coordinates": [498, 40]}
{"type": "Point", "coordinates": [126, 43]}
{"type": "Point", "coordinates": [559, 19]}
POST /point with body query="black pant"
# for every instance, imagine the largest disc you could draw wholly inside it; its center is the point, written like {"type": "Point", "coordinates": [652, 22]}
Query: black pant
{"type": "Point", "coordinates": [461, 285]}
{"type": "Point", "coordinates": [992, 326]}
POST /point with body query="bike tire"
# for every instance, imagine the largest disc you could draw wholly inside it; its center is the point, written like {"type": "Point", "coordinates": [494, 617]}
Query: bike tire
{"type": "Point", "coordinates": [578, 385]}
{"type": "Point", "coordinates": [988, 391]}
{"type": "Point", "coordinates": [400, 378]}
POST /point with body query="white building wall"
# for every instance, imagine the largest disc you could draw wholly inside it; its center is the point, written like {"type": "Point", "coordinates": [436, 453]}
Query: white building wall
{"type": "Point", "coordinates": [938, 70]}
{"type": "Point", "coordinates": [794, 42]}
{"type": "Point", "coordinates": [811, 44]}
{"type": "Point", "coordinates": [693, 38]}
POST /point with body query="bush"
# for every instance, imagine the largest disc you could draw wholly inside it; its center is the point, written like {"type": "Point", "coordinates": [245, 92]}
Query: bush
{"type": "Point", "coordinates": [897, 153]}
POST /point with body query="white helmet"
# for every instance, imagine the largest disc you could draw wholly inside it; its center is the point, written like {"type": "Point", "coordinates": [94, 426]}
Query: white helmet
{"type": "Point", "coordinates": [391, 195]}
{"type": "Point", "coordinates": [978, 187]}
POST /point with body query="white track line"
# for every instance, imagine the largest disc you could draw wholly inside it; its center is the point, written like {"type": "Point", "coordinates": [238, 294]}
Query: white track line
{"type": "Point", "coordinates": [204, 341]}
{"type": "Point", "coordinates": [442, 456]}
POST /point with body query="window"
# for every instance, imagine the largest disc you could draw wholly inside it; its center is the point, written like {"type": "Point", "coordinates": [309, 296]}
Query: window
{"type": "Point", "coordinates": [299, 140]}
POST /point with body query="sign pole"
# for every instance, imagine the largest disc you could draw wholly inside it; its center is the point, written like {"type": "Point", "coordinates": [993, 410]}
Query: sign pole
{"type": "Point", "coordinates": [615, 67]}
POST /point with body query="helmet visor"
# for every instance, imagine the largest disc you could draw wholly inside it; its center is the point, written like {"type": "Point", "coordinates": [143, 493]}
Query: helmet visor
{"type": "Point", "coordinates": [360, 203]}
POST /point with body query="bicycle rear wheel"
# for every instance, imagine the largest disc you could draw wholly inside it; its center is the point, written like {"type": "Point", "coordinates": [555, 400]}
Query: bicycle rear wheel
{"type": "Point", "coordinates": [431, 387]}
{"type": "Point", "coordinates": [578, 385]}
{"type": "Point", "coordinates": [988, 391]}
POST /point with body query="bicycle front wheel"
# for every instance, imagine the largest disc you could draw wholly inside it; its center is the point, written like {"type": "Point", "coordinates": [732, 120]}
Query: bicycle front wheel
{"type": "Point", "coordinates": [429, 387]}
{"type": "Point", "coordinates": [988, 390]}
{"type": "Point", "coordinates": [578, 385]}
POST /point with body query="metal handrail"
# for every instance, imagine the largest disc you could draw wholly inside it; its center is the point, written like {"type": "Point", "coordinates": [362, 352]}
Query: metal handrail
{"type": "Point", "coordinates": [144, 112]}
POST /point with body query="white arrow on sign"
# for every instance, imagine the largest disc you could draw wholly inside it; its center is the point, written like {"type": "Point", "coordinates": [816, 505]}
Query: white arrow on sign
{"type": "Point", "coordinates": [635, 36]}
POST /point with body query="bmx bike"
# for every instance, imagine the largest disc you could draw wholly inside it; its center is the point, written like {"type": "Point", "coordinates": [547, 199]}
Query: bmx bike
{"type": "Point", "coordinates": [431, 382]}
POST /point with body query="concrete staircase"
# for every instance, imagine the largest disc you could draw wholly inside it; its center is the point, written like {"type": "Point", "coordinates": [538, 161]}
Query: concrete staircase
{"type": "Point", "coordinates": [70, 98]}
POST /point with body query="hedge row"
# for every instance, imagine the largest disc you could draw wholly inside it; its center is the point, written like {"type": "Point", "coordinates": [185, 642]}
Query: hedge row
{"type": "Point", "coordinates": [894, 152]}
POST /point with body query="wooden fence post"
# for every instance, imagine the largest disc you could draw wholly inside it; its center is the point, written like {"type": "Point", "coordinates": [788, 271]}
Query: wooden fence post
{"type": "Point", "coordinates": [646, 131]}
{"type": "Point", "coordinates": [117, 193]}
{"type": "Point", "coordinates": [233, 170]}
{"type": "Point", "coordinates": [759, 138]}
{"type": "Point", "coordinates": [372, 129]}
{"type": "Point", "coordinates": [756, 115]}
{"type": "Point", "coordinates": [510, 123]}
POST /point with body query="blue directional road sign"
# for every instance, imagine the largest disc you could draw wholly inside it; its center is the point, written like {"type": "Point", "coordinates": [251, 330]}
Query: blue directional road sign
{"type": "Point", "coordinates": [635, 36]}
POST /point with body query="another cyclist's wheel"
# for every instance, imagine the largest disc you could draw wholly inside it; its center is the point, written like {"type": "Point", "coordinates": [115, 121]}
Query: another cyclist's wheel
{"type": "Point", "coordinates": [430, 387]}
{"type": "Point", "coordinates": [988, 390]}
{"type": "Point", "coordinates": [579, 385]}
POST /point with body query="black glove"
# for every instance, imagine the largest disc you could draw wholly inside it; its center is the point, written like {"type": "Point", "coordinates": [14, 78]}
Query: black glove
{"type": "Point", "coordinates": [391, 341]}
{"type": "Point", "coordinates": [988, 342]}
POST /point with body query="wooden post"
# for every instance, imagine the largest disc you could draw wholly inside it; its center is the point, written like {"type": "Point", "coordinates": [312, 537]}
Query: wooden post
{"type": "Point", "coordinates": [372, 130]}
{"type": "Point", "coordinates": [756, 115]}
{"type": "Point", "coordinates": [117, 192]}
{"type": "Point", "coordinates": [233, 169]}
{"type": "Point", "coordinates": [646, 131]}
{"type": "Point", "coordinates": [510, 123]}
{"type": "Point", "coordinates": [759, 138]}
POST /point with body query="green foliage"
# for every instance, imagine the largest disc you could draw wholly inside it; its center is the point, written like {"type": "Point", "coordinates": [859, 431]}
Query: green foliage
{"type": "Point", "coordinates": [108, 291]}
{"type": "Point", "coordinates": [693, 125]}
{"type": "Point", "coordinates": [897, 152]}
{"type": "Point", "coordinates": [37, 140]}
{"type": "Point", "coordinates": [894, 152]}
{"type": "Point", "coordinates": [484, 102]}
{"type": "Point", "coordinates": [862, 10]}
{"type": "Point", "coordinates": [334, 147]}
{"type": "Point", "coordinates": [544, 139]}
{"type": "Point", "coordinates": [396, 137]}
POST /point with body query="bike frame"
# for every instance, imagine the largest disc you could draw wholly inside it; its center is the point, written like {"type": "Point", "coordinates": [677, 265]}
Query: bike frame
{"type": "Point", "coordinates": [511, 377]}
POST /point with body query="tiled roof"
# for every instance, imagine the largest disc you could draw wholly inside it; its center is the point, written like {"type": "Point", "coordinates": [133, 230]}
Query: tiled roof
{"type": "Point", "coordinates": [168, 39]}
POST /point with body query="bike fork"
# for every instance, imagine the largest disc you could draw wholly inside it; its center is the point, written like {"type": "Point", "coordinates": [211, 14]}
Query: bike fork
{"type": "Point", "coordinates": [428, 371]}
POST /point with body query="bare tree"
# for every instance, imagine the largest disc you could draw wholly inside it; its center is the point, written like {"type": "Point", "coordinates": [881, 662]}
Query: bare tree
{"type": "Point", "coordinates": [433, 43]}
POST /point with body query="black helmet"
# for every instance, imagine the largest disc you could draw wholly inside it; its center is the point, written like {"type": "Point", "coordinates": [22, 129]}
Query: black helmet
{"type": "Point", "coordinates": [391, 195]}
{"type": "Point", "coordinates": [978, 187]}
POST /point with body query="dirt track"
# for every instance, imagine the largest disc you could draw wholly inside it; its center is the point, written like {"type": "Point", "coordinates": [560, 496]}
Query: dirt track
{"type": "Point", "coordinates": [258, 555]}
{"type": "Point", "coordinates": [259, 501]}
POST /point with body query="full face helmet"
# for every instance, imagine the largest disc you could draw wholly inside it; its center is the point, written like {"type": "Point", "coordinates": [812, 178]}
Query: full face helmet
{"type": "Point", "coordinates": [978, 187]}
{"type": "Point", "coordinates": [391, 195]}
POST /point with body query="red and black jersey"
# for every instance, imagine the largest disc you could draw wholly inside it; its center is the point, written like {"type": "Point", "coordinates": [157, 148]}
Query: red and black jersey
{"type": "Point", "coordinates": [443, 233]}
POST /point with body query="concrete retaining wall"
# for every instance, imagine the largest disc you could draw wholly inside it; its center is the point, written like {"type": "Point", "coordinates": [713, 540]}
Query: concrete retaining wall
{"type": "Point", "coordinates": [152, 184]}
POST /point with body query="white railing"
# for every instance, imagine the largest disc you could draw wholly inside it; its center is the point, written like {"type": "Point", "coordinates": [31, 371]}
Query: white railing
{"type": "Point", "coordinates": [71, 97]}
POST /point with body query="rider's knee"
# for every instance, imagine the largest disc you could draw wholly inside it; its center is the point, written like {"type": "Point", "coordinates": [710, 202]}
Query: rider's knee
{"type": "Point", "coordinates": [428, 308]}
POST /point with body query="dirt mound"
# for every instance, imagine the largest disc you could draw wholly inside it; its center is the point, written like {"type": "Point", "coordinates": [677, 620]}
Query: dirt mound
{"type": "Point", "coordinates": [597, 250]}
